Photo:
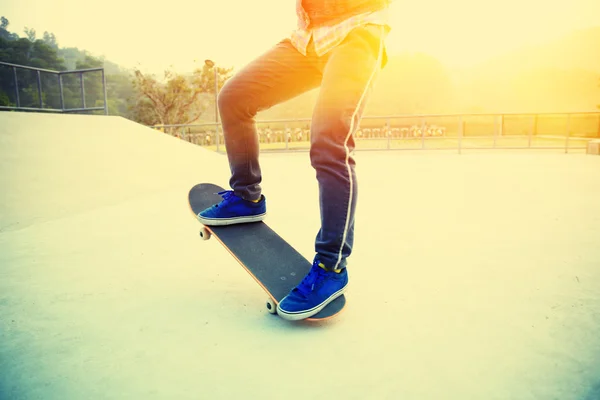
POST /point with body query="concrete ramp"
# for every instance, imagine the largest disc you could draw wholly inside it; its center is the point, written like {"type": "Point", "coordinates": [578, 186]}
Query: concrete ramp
{"type": "Point", "coordinates": [473, 276]}
{"type": "Point", "coordinates": [59, 165]}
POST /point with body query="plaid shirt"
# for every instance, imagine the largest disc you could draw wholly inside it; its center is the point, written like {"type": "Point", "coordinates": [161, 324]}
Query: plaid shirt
{"type": "Point", "coordinates": [328, 37]}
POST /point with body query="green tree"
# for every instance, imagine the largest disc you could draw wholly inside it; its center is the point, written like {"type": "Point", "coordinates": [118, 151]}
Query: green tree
{"type": "Point", "coordinates": [143, 111]}
{"type": "Point", "coordinates": [30, 33]}
{"type": "Point", "coordinates": [120, 93]}
{"type": "Point", "coordinates": [50, 40]}
{"type": "Point", "coordinates": [92, 80]}
{"type": "Point", "coordinates": [4, 99]}
{"type": "Point", "coordinates": [176, 99]}
{"type": "Point", "coordinates": [71, 55]}
{"type": "Point", "coordinates": [4, 33]}
{"type": "Point", "coordinates": [30, 52]}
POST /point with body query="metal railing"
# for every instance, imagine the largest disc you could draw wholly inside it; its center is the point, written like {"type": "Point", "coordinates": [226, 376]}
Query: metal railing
{"type": "Point", "coordinates": [502, 131]}
{"type": "Point", "coordinates": [59, 76]}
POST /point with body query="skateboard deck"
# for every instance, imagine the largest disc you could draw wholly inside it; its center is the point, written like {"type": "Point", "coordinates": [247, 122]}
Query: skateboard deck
{"type": "Point", "coordinates": [275, 265]}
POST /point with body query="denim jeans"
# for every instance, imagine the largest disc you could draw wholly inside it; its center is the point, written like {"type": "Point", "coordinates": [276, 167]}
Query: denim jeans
{"type": "Point", "coordinates": [345, 76]}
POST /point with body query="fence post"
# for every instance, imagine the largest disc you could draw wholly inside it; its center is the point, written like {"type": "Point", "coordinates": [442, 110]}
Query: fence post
{"type": "Point", "coordinates": [388, 133]}
{"type": "Point", "coordinates": [217, 139]}
{"type": "Point", "coordinates": [39, 85]}
{"type": "Point", "coordinates": [82, 89]}
{"type": "Point", "coordinates": [285, 136]}
{"type": "Point", "coordinates": [105, 96]}
{"type": "Point", "coordinates": [17, 87]}
{"type": "Point", "coordinates": [62, 95]}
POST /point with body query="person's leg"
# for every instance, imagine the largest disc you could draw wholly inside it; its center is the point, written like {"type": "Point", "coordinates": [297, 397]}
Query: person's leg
{"type": "Point", "coordinates": [348, 76]}
{"type": "Point", "coordinates": [347, 83]}
{"type": "Point", "coordinates": [276, 76]}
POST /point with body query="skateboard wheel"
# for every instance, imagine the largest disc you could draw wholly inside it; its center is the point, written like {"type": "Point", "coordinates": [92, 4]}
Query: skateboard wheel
{"type": "Point", "coordinates": [205, 233]}
{"type": "Point", "coordinates": [271, 306]}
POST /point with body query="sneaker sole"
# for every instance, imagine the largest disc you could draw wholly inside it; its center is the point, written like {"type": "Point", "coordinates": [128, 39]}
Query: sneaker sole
{"type": "Point", "coordinates": [299, 315]}
{"type": "Point", "coordinates": [230, 221]}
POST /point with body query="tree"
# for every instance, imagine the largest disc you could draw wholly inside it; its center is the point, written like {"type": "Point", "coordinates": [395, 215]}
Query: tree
{"type": "Point", "coordinates": [177, 99]}
{"type": "Point", "coordinates": [45, 53]}
{"type": "Point", "coordinates": [30, 34]}
{"type": "Point", "coordinates": [30, 52]}
{"type": "Point", "coordinates": [4, 99]}
{"type": "Point", "coordinates": [92, 80]}
{"type": "Point", "coordinates": [120, 93]}
{"type": "Point", "coordinates": [50, 40]}
{"type": "Point", "coordinates": [207, 78]}
{"type": "Point", "coordinates": [4, 33]}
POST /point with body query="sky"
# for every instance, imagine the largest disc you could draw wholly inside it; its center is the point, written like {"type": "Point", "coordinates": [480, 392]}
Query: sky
{"type": "Point", "coordinates": [181, 34]}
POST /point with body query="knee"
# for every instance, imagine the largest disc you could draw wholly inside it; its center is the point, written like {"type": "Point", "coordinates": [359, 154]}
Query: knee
{"type": "Point", "coordinates": [233, 100]}
{"type": "Point", "coordinates": [331, 141]}
{"type": "Point", "coordinates": [226, 98]}
{"type": "Point", "coordinates": [326, 152]}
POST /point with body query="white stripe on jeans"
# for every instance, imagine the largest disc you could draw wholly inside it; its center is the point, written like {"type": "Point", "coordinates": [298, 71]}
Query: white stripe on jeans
{"type": "Point", "coordinates": [360, 101]}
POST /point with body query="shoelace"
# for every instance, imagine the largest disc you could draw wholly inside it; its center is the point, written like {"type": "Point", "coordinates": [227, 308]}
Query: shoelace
{"type": "Point", "coordinates": [313, 279]}
{"type": "Point", "coordinates": [226, 195]}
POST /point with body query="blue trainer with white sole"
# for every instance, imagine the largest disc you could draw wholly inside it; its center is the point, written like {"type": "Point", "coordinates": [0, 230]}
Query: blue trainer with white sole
{"type": "Point", "coordinates": [233, 210]}
{"type": "Point", "coordinates": [319, 288]}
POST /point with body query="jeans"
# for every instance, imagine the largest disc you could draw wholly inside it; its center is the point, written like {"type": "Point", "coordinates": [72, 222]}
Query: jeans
{"type": "Point", "coordinates": [345, 76]}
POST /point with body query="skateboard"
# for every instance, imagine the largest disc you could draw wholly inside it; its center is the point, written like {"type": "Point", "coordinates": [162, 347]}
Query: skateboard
{"type": "Point", "coordinates": [273, 263]}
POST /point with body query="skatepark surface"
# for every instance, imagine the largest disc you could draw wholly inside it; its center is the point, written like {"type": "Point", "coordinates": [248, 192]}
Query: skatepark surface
{"type": "Point", "coordinates": [474, 276]}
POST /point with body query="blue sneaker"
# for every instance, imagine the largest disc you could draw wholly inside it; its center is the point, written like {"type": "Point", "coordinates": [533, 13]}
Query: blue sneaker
{"type": "Point", "coordinates": [233, 210]}
{"type": "Point", "coordinates": [319, 288]}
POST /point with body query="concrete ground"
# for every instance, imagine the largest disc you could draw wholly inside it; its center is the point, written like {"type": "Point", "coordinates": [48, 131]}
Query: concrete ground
{"type": "Point", "coordinates": [474, 276]}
